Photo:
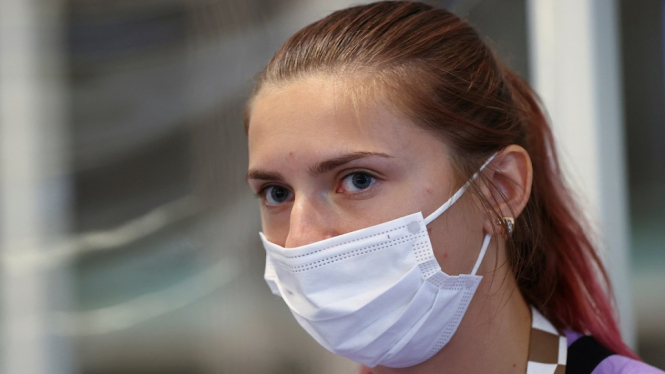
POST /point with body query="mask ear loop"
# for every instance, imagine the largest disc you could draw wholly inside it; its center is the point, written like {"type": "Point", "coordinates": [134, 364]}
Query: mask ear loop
{"type": "Point", "coordinates": [457, 194]}
{"type": "Point", "coordinates": [483, 250]}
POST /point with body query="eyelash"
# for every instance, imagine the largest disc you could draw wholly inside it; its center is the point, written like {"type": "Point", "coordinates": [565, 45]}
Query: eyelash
{"type": "Point", "coordinates": [261, 194]}
{"type": "Point", "coordinates": [361, 192]}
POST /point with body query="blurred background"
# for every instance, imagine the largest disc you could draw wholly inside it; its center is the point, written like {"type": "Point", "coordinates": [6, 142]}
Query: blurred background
{"type": "Point", "coordinates": [128, 236]}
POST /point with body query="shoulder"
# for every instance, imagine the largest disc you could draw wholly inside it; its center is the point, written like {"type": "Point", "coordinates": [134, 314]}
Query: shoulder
{"type": "Point", "coordinates": [617, 364]}
{"type": "Point", "coordinates": [604, 361]}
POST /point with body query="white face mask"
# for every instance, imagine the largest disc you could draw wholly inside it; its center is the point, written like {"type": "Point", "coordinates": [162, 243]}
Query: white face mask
{"type": "Point", "coordinates": [377, 295]}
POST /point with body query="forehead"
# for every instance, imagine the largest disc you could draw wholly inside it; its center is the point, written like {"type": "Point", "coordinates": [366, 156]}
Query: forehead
{"type": "Point", "coordinates": [318, 114]}
{"type": "Point", "coordinates": [306, 106]}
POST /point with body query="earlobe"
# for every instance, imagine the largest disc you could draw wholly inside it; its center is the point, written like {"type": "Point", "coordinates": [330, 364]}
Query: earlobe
{"type": "Point", "coordinates": [507, 186]}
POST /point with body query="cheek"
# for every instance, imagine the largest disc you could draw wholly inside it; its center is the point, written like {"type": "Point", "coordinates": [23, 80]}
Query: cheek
{"type": "Point", "coordinates": [275, 227]}
{"type": "Point", "coordinates": [446, 246]}
{"type": "Point", "coordinates": [456, 238]}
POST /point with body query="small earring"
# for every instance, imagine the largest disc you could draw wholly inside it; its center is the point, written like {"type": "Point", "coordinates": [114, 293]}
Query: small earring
{"type": "Point", "coordinates": [510, 224]}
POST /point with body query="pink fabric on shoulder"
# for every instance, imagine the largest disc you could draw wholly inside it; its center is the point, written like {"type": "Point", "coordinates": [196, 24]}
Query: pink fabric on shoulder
{"type": "Point", "coordinates": [571, 336]}
{"type": "Point", "coordinates": [624, 365]}
{"type": "Point", "coordinates": [616, 364]}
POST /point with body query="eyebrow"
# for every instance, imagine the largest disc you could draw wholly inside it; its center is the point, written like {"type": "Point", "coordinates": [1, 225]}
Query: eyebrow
{"type": "Point", "coordinates": [334, 163]}
{"type": "Point", "coordinates": [319, 168]}
{"type": "Point", "coordinates": [264, 175]}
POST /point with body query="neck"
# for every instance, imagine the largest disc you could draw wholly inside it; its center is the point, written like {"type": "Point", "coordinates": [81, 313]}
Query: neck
{"type": "Point", "coordinates": [493, 336]}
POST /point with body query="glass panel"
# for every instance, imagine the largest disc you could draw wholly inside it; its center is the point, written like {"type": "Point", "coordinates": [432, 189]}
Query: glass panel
{"type": "Point", "coordinates": [644, 94]}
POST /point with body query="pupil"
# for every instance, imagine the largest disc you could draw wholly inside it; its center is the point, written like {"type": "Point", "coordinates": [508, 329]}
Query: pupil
{"type": "Point", "coordinates": [361, 181]}
{"type": "Point", "coordinates": [278, 194]}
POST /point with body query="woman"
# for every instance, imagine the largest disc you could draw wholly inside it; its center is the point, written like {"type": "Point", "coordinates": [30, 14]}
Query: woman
{"type": "Point", "coordinates": [414, 214]}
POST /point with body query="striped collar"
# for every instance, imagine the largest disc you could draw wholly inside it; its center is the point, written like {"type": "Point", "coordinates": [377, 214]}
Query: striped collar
{"type": "Point", "coordinates": [548, 348]}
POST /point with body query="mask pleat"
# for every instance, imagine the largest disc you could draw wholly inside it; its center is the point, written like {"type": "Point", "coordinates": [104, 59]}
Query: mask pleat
{"type": "Point", "coordinates": [450, 304]}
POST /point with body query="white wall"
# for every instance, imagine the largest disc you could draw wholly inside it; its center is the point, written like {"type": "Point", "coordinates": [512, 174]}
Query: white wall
{"type": "Point", "coordinates": [575, 65]}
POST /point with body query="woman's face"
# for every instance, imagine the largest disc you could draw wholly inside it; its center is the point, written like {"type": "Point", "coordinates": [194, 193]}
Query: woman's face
{"type": "Point", "coordinates": [323, 166]}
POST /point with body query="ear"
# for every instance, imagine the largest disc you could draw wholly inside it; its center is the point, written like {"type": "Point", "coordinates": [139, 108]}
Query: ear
{"type": "Point", "coordinates": [507, 186]}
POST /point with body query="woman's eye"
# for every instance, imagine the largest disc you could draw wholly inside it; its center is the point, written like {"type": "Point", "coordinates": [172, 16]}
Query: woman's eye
{"type": "Point", "coordinates": [276, 195]}
{"type": "Point", "coordinates": [357, 182]}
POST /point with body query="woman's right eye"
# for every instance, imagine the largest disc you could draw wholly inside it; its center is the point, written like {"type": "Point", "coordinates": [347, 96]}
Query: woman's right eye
{"type": "Point", "coordinates": [275, 195]}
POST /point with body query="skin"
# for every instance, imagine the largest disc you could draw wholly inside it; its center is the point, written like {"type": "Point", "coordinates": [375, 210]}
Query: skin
{"type": "Point", "coordinates": [308, 137]}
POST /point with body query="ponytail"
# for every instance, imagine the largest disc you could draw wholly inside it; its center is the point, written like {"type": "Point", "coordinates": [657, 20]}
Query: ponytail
{"type": "Point", "coordinates": [555, 263]}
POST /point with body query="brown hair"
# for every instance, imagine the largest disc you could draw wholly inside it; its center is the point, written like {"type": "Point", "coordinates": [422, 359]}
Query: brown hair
{"type": "Point", "coordinates": [440, 73]}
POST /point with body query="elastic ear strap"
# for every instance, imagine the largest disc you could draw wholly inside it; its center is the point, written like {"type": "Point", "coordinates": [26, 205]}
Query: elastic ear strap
{"type": "Point", "coordinates": [457, 194]}
{"type": "Point", "coordinates": [483, 250]}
